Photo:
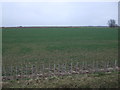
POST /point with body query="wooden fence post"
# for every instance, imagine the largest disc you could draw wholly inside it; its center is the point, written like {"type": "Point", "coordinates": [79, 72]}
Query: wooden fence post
{"type": "Point", "coordinates": [27, 75]}
{"type": "Point", "coordinates": [83, 65]}
{"type": "Point", "coordinates": [115, 63]}
{"type": "Point", "coordinates": [65, 68]}
{"type": "Point", "coordinates": [49, 67]}
{"type": "Point", "coordinates": [54, 68]}
{"type": "Point", "coordinates": [58, 68]}
{"type": "Point", "coordinates": [76, 66]}
{"type": "Point", "coordinates": [93, 66]}
{"type": "Point", "coordinates": [86, 65]}
{"type": "Point", "coordinates": [107, 64]}
{"type": "Point", "coordinates": [97, 66]}
{"type": "Point", "coordinates": [62, 68]}
{"type": "Point", "coordinates": [49, 70]}
{"type": "Point", "coordinates": [20, 72]}
{"type": "Point", "coordinates": [4, 73]}
{"type": "Point", "coordinates": [16, 73]}
{"type": "Point", "coordinates": [32, 71]}
{"type": "Point", "coordinates": [71, 67]}
{"type": "Point", "coordinates": [43, 69]}
{"type": "Point", "coordinates": [26, 69]}
{"type": "Point", "coordinates": [11, 72]}
{"type": "Point", "coordinates": [36, 69]}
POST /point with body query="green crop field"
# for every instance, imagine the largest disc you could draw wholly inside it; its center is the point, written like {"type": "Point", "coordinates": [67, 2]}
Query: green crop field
{"type": "Point", "coordinates": [37, 46]}
{"type": "Point", "coordinates": [58, 45]}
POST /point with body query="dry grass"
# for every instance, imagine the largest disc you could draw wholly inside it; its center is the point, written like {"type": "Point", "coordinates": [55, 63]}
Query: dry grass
{"type": "Point", "coordinates": [74, 81]}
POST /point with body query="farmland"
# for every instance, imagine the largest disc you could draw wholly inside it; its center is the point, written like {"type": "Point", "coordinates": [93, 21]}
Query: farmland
{"type": "Point", "coordinates": [58, 45]}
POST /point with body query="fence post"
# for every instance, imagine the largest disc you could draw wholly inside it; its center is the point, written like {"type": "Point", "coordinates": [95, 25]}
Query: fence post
{"type": "Point", "coordinates": [65, 68]}
{"type": "Point", "coordinates": [16, 73]}
{"type": "Point", "coordinates": [115, 63]}
{"type": "Point", "coordinates": [97, 66]}
{"type": "Point", "coordinates": [11, 72]}
{"type": "Point", "coordinates": [36, 69]}
{"type": "Point", "coordinates": [93, 66]}
{"type": "Point", "coordinates": [49, 69]}
{"type": "Point", "coordinates": [54, 68]}
{"type": "Point", "coordinates": [4, 73]}
{"type": "Point", "coordinates": [71, 67]}
{"type": "Point", "coordinates": [62, 68]}
{"type": "Point", "coordinates": [21, 71]}
{"type": "Point", "coordinates": [107, 64]}
{"type": "Point", "coordinates": [43, 68]}
{"type": "Point", "coordinates": [27, 71]}
{"type": "Point", "coordinates": [58, 68]}
{"type": "Point", "coordinates": [83, 65]}
{"type": "Point", "coordinates": [32, 71]}
{"type": "Point", "coordinates": [86, 65]}
{"type": "Point", "coordinates": [76, 66]}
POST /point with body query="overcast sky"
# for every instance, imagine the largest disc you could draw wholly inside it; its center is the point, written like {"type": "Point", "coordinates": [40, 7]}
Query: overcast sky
{"type": "Point", "coordinates": [59, 13]}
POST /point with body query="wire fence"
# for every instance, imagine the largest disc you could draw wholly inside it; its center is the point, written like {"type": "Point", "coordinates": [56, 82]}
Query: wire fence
{"type": "Point", "coordinates": [28, 70]}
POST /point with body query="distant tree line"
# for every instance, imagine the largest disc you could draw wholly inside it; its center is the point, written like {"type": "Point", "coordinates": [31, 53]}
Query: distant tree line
{"type": "Point", "coordinates": [112, 23]}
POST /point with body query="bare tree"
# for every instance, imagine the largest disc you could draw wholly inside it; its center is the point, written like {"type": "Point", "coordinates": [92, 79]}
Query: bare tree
{"type": "Point", "coordinates": [112, 23]}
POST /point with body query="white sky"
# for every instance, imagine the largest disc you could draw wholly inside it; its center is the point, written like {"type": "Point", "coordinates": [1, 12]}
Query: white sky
{"type": "Point", "coordinates": [59, 0]}
{"type": "Point", "coordinates": [58, 13]}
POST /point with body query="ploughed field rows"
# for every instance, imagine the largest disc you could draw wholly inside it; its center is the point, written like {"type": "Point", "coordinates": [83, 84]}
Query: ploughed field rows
{"type": "Point", "coordinates": [28, 71]}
